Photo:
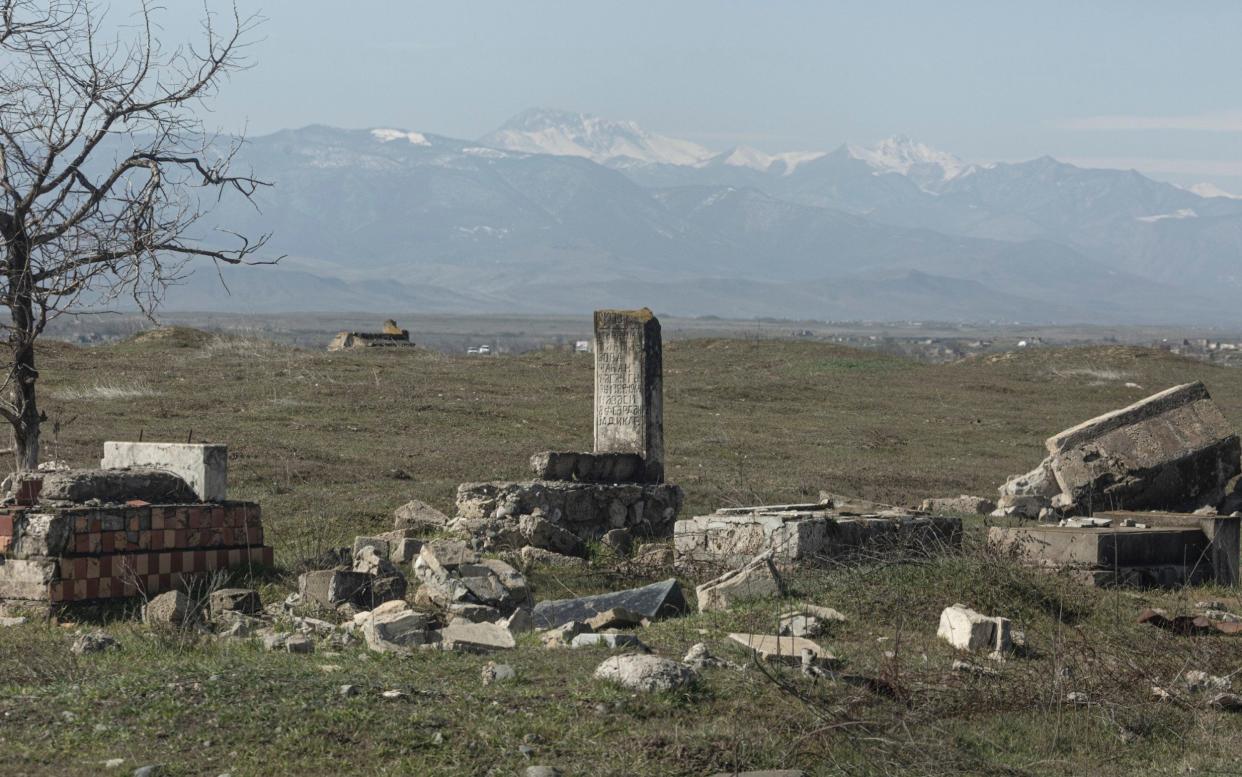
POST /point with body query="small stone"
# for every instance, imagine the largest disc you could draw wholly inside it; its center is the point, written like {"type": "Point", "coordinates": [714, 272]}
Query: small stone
{"type": "Point", "coordinates": [798, 625]}
{"type": "Point", "coordinates": [564, 634]}
{"type": "Point", "coordinates": [1229, 702]}
{"type": "Point", "coordinates": [154, 770]}
{"type": "Point", "coordinates": [18, 621]}
{"type": "Point", "coordinates": [476, 637]}
{"type": "Point", "coordinates": [619, 541]}
{"type": "Point", "coordinates": [395, 695]}
{"type": "Point", "coordinates": [969, 668]}
{"type": "Point", "coordinates": [965, 629]}
{"type": "Point", "coordinates": [169, 610]}
{"type": "Point", "coordinates": [610, 640]}
{"type": "Point", "coordinates": [114, 763]}
{"type": "Point", "coordinates": [542, 771]}
{"type": "Point", "coordinates": [646, 673]}
{"type": "Point", "coordinates": [348, 690]}
{"type": "Point", "coordinates": [1077, 697]}
{"type": "Point", "coordinates": [95, 642]}
{"type": "Point", "coordinates": [243, 600]}
{"type": "Point", "coordinates": [497, 673]}
{"type": "Point", "coordinates": [615, 618]}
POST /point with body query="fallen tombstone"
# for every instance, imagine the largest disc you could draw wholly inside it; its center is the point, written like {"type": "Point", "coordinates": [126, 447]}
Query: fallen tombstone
{"type": "Point", "coordinates": [965, 629]}
{"type": "Point", "coordinates": [758, 579]}
{"type": "Point", "coordinates": [803, 534]}
{"type": "Point", "coordinates": [658, 600]}
{"type": "Point", "coordinates": [454, 575]}
{"type": "Point", "coordinates": [533, 556]}
{"type": "Point", "coordinates": [783, 650]}
{"type": "Point", "coordinates": [646, 673]}
{"type": "Point", "coordinates": [419, 516]}
{"type": "Point", "coordinates": [1171, 451]}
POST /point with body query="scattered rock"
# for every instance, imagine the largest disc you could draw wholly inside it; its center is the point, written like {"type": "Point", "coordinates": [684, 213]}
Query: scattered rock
{"type": "Point", "coordinates": [615, 618]}
{"type": "Point", "coordinates": [646, 673]}
{"type": "Point", "coordinates": [542, 771]}
{"type": "Point", "coordinates": [348, 690]}
{"type": "Point", "coordinates": [235, 625]}
{"type": "Point", "coordinates": [1077, 697]}
{"type": "Point", "coordinates": [564, 634]}
{"type": "Point", "coordinates": [452, 573]}
{"type": "Point", "coordinates": [758, 579]}
{"type": "Point", "coordinates": [1229, 702]}
{"type": "Point", "coordinates": [94, 642]}
{"type": "Point", "coordinates": [1196, 681]}
{"type": "Point", "coordinates": [964, 504]}
{"type": "Point", "coordinates": [291, 643]}
{"type": "Point", "coordinates": [420, 516]}
{"type": "Point", "coordinates": [476, 638]}
{"type": "Point", "coordinates": [328, 588]}
{"type": "Point", "coordinates": [533, 556]}
{"type": "Point", "coordinates": [153, 770]}
{"type": "Point", "coordinates": [619, 541]}
{"type": "Point", "coordinates": [242, 600]}
{"type": "Point", "coordinates": [169, 610]}
{"type": "Point", "coordinates": [965, 629]}
{"type": "Point", "coordinates": [17, 621]}
{"type": "Point", "coordinates": [395, 695]}
{"type": "Point", "coordinates": [799, 625]}
{"type": "Point", "coordinates": [397, 630]}
{"type": "Point", "coordinates": [969, 668]}
{"type": "Point", "coordinates": [497, 673]}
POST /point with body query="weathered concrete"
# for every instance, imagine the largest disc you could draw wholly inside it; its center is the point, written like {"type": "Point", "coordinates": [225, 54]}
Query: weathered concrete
{"type": "Point", "coordinates": [587, 467]}
{"type": "Point", "coordinates": [964, 504]}
{"type": "Point", "coordinates": [1173, 450]}
{"type": "Point", "coordinates": [798, 534]}
{"type": "Point", "coordinates": [112, 486]}
{"type": "Point", "coordinates": [562, 516]}
{"type": "Point", "coordinates": [658, 600]}
{"type": "Point", "coordinates": [629, 398]}
{"type": "Point", "coordinates": [203, 467]}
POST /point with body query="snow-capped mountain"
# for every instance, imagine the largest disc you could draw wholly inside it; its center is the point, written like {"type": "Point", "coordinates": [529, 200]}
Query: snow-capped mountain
{"type": "Point", "coordinates": [612, 143]}
{"type": "Point", "coordinates": [1209, 190]}
{"type": "Point", "coordinates": [926, 166]}
{"type": "Point", "coordinates": [754, 159]}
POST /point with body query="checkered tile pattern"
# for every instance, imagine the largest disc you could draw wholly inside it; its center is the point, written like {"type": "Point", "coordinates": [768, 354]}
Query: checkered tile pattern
{"type": "Point", "coordinates": [125, 551]}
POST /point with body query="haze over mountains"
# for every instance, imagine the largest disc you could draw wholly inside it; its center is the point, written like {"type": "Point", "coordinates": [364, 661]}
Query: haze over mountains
{"type": "Point", "coordinates": [563, 212]}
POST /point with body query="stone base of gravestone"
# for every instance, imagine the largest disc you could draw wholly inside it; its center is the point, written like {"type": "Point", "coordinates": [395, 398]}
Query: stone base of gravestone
{"type": "Point", "coordinates": [560, 515]}
{"type": "Point", "coordinates": [800, 535]}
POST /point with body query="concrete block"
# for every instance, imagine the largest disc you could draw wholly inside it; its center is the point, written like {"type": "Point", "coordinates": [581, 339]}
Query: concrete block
{"type": "Point", "coordinates": [204, 467]}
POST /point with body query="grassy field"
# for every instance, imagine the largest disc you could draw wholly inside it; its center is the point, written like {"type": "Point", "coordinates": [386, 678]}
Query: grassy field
{"type": "Point", "coordinates": [330, 444]}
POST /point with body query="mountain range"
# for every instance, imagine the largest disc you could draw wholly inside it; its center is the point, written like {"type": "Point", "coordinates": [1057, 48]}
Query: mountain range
{"type": "Point", "coordinates": [558, 212]}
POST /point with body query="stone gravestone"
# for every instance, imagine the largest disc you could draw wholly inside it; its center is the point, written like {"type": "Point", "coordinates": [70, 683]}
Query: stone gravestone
{"type": "Point", "coordinates": [629, 394]}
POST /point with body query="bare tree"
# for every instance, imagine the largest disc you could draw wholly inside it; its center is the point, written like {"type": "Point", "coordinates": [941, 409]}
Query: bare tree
{"type": "Point", "coordinates": [105, 168]}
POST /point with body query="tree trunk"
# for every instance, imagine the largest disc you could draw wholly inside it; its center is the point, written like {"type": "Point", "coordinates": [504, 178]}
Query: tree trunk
{"type": "Point", "coordinates": [21, 344]}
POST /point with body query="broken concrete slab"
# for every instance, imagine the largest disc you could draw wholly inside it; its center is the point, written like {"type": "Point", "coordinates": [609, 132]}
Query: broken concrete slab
{"type": "Point", "coordinates": [658, 600]}
{"type": "Point", "coordinates": [965, 629]}
{"type": "Point", "coordinates": [783, 650]}
{"type": "Point", "coordinates": [758, 579]}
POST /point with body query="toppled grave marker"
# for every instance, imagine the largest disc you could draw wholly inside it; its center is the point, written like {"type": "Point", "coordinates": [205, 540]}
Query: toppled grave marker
{"type": "Point", "coordinates": [965, 629]}
{"type": "Point", "coordinates": [758, 579]}
{"type": "Point", "coordinates": [658, 600]}
{"type": "Point", "coordinates": [577, 497]}
{"type": "Point", "coordinates": [100, 534]}
{"type": "Point", "coordinates": [1171, 451]}
{"type": "Point", "coordinates": [784, 650]}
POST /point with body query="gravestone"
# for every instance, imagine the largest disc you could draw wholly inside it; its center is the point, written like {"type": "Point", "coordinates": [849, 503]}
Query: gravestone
{"type": "Point", "coordinates": [629, 394]}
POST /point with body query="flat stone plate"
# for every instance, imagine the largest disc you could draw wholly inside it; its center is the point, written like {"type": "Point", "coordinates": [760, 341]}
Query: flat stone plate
{"type": "Point", "coordinates": [784, 650]}
{"type": "Point", "coordinates": [653, 601]}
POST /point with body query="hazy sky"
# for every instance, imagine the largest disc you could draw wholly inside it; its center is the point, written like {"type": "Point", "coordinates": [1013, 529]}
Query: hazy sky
{"type": "Point", "coordinates": [1150, 85]}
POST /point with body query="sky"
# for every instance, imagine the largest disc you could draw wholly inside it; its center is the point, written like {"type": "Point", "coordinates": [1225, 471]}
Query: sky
{"type": "Point", "coordinates": [1139, 84]}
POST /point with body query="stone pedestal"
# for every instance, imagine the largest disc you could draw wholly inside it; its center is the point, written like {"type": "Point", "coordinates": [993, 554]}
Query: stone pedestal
{"type": "Point", "coordinates": [629, 394]}
{"type": "Point", "coordinates": [203, 467]}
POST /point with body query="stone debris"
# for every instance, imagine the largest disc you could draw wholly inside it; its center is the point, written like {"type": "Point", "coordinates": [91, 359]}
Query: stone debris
{"type": "Point", "coordinates": [700, 657]}
{"type": "Point", "coordinates": [398, 630]}
{"type": "Point", "coordinates": [965, 629]}
{"type": "Point", "coordinates": [116, 486]}
{"type": "Point", "coordinates": [655, 601]}
{"type": "Point", "coordinates": [1188, 625]}
{"type": "Point", "coordinates": [969, 668]}
{"type": "Point", "coordinates": [327, 588]}
{"type": "Point", "coordinates": [94, 642]}
{"type": "Point", "coordinates": [619, 541]}
{"type": "Point", "coordinates": [1198, 681]}
{"type": "Point", "coordinates": [1228, 702]}
{"type": "Point", "coordinates": [288, 642]}
{"type": "Point", "coordinates": [419, 516]}
{"type": "Point", "coordinates": [497, 673]}
{"type": "Point", "coordinates": [170, 610]}
{"type": "Point", "coordinates": [542, 771]}
{"type": "Point", "coordinates": [453, 574]}
{"type": "Point", "coordinates": [646, 673]}
{"type": "Point", "coordinates": [616, 618]}
{"type": "Point", "coordinates": [764, 773]}
{"type": "Point", "coordinates": [758, 579]}
{"type": "Point", "coordinates": [611, 640]}
{"type": "Point", "coordinates": [964, 505]}
{"type": "Point", "coordinates": [242, 600]}
{"type": "Point", "coordinates": [1077, 697]}
{"type": "Point", "coordinates": [783, 650]}
{"type": "Point", "coordinates": [1171, 451]}
{"type": "Point", "coordinates": [796, 624]}
{"type": "Point", "coordinates": [1085, 523]}
{"type": "Point", "coordinates": [476, 637]}
{"type": "Point", "coordinates": [564, 634]}
{"type": "Point", "coordinates": [531, 556]}
{"type": "Point", "coordinates": [19, 620]}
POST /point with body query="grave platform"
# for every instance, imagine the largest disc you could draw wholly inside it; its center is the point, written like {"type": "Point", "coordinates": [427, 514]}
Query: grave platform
{"type": "Point", "coordinates": [801, 534]}
{"type": "Point", "coordinates": [1137, 549]}
{"type": "Point", "coordinates": [67, 554]}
